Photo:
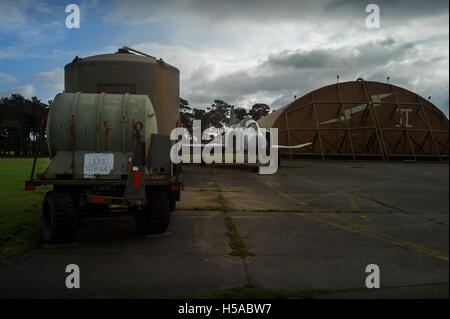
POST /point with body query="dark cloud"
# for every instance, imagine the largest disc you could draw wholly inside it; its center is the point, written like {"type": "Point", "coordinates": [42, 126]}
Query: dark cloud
{"type": "Point", "coordinates": [368, 54]}
{"type": "Point", "coordinates": [295, 72]}
{"type": "Point", "coordinates": [289, 70]}
{"type": "Point", "coordinates": [263, 11]}
{"type": "Point", "coordinates": [313, 41]}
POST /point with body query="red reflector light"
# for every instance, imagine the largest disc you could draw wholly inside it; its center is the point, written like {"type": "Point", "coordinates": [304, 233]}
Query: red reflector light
{"type": "Point", "coordinates": [29, 187]}
{"type": "Point", "coordinates": [97, 200]}
{"type": "Point", "coordinates": [175, 188]}
{"type": "Point", "coordinates": [137, 179]}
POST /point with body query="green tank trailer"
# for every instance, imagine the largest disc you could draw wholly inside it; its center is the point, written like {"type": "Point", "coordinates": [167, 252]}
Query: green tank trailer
{"type": "Point", "coordinates": [108, 151]}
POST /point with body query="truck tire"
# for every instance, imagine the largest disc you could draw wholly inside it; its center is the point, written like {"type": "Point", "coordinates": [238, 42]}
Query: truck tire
{"type": "Point", "coordinates": [155, 218]}
{"type": "Point", "coordinates": [59, 218]}
{"type": "Point", "coordinates": [173, 204]}
{"type": "Point", "coordinates": [173, 201]}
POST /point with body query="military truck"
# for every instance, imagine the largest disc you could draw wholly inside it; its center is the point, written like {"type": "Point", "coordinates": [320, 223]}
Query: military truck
{"type": "Point", "coordinates": [108, 152]}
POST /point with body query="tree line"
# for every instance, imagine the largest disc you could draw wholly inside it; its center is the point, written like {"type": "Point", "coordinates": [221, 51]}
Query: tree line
{"type": "Point", "coordinates": [218, 114]}
{"type": "Point", "coordinates": [20, 120]}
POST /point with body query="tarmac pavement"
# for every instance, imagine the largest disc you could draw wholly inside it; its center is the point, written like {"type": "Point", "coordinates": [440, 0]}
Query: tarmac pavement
{"type": "Point", "coordinates": [312, 225]}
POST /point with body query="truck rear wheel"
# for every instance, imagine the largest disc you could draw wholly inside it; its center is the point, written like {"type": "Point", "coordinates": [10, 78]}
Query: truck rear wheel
{"type": "Point", "coordinates": [59, 218]}
{"type": "Point", "coordinates": [173, 201]}
{"type": "Point", "coordinates": [155, 218]}
{"type": "Point", "coordinates": [173, 204]}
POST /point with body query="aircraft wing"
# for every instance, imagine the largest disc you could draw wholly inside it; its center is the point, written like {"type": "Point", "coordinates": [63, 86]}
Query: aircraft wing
{"type": "Point", "coordinates": [275, 146]}
{"type": "Point", "coordinates": [293, 146]}
{"type": "Point", "coordinates": [203, 145]}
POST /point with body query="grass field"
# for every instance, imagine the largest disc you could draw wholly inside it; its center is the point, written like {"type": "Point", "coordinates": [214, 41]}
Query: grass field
{"type": "Point", "coordinates": [20, 218]}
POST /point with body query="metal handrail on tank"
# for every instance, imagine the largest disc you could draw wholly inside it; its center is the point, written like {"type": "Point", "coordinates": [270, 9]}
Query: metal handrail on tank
{"type": "Point", "coordinates": [136, 51]}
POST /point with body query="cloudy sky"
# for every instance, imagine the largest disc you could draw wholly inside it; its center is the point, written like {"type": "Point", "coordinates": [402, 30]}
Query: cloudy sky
{"type": "Point", "coordinates": [243, 52]}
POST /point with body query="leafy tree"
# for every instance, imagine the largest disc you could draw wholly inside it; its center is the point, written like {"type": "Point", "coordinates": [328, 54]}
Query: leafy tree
{"type": "Point", "coordinates": [241, 113]}
{"type": "Point", "coordinates": [259, 110]}
{"type": "Point", "coordinates": [203, 116]}
{"type": "Point", "coordinates": [186, 116]}
{"type": "Point", "coordinates": [20, 120]}
{"type": "Point", "coordinates": [219, 113]}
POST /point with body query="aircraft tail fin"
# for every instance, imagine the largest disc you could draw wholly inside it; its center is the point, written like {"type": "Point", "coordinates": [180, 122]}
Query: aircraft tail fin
{"type": "Point", "coordinates": [233, 119]}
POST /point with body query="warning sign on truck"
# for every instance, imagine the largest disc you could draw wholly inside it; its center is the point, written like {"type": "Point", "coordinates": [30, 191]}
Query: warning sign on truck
{"type": "Point", "coordinates": [98, 164]}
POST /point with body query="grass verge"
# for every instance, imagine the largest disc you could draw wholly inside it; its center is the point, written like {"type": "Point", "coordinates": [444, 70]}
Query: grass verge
{"type": "Point", "coordinates": [19, 209]}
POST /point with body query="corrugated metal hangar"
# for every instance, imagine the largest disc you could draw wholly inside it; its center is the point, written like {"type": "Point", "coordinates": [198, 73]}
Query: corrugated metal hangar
{"type": "Point", "coordinates": [362, 119]}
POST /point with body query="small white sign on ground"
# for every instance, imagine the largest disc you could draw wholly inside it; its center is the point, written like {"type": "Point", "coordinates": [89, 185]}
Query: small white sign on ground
{"type": "Point", "coordinates": [98, 164]}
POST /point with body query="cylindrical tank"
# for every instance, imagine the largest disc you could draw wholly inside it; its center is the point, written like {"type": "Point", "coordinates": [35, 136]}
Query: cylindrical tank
{"type": "Point", "coordinates": [98, 122]}
{"type": "Point", "coordinates": [125, 72]}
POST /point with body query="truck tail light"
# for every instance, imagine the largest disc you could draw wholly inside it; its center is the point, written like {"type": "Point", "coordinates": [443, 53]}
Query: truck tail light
{"type": "Point", "coordinates": [97, 200]}
{"type": "Point", "coordinates": [137, 179]}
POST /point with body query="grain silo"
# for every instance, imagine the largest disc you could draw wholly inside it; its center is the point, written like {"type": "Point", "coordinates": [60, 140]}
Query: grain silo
{"type": "Point", "coordinates": [362, 119]}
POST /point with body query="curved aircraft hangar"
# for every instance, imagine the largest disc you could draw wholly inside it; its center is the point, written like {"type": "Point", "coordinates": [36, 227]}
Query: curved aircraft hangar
{"type": "Point", "coordinates": [362, 119]}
